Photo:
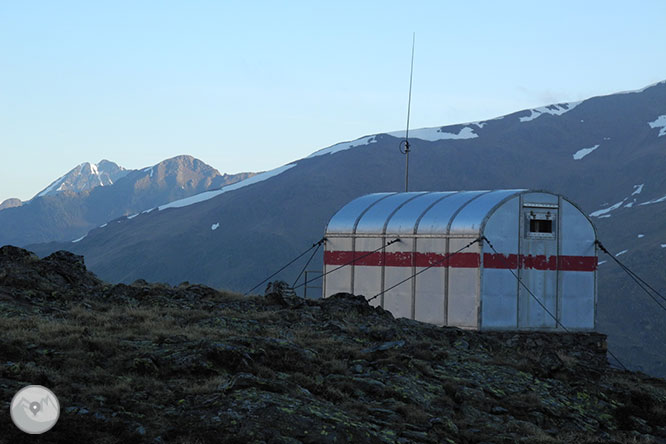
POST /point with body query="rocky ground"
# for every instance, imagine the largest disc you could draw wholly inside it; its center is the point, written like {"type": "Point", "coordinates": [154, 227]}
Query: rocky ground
{"type": "Point", "coordinates": [151, 363]}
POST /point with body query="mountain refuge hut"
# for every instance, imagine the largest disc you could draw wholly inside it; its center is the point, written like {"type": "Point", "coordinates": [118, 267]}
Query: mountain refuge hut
{"type": "Point", "coordinates": [502, 259]}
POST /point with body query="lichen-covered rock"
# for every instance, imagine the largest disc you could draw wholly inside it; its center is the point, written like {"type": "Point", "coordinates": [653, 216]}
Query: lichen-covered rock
{"type": "Point", "coordinates": [151, 363]}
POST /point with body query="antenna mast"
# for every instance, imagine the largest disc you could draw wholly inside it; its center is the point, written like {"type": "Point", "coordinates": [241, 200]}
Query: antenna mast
{"type": "Point", "coordinates": [405, 142]}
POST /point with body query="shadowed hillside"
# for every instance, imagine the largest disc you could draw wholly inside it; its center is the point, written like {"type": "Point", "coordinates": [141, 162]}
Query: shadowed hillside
{"type": "Point", "coordinates": [188, 364]}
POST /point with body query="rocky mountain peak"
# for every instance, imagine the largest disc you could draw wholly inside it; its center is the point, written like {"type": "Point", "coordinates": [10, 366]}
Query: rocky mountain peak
{"type": "Point", "coordinates": [12, 202]}
{"type": "Point", "coordinates": [186, 165]}
{"type": "Point", "coordinates": [187, 174]}
{"type": "Point", "coordinates": [111, 169]}
{"type": "Point", "coordinates": [85, 177]}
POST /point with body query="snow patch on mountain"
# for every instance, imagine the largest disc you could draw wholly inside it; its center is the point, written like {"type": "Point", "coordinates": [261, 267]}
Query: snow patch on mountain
{"type": "Point", "coordinates": [640, 236]}
{"type": "Point", "coordinates": [215, 226]}
{"type": "Point", "coordinates": [637, 190]}
{"type": "Point", "coordinates": [148, 170]}
{"type": "Point", "coordinates": [201, 197]}
{"type": "Point", "coordinates": [605, 211]}
{"type": "Point", "coordinates": [555, 110]}
{"type": "Point", "coordinates": [344, 146]}
{"type": "Point", "coordinates": [584, 152]}
{"type": "Point", "coordinates": [654, 201]}
{"type": "Point", "coordinates": [621, 253]}
{"type": "Point", "coordinates": [50, 188]}
{"type": "Point", "coordinates": [628, 202]}
{"type": "Point", "coordinates": [659, 123]}
{"type": "Point", "coordinates": [79, 239]}
{"type": "Point", "coordinates": [434, 134]}
{"type": "Point", "coordinates": [437, 133]}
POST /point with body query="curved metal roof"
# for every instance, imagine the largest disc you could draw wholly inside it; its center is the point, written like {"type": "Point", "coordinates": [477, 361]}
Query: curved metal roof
{"type": "Point", "coordinates": [469, 219]}
{"type": "Point", "coordinates": [374, 220]}
{"type": "Point", "coordinates": [444, 212]}
{"type": "Point", "coordinates": [402, 221]}
{"type": "Point", "coordinates": [345, 220]}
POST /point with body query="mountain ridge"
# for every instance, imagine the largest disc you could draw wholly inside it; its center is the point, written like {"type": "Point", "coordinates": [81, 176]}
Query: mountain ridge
{"type": "Point", "coordinates": [92, 194]}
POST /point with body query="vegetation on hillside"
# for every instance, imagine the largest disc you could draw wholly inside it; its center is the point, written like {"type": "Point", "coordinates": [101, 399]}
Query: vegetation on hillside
{"type": "Point", "coordinates": [189, 364]}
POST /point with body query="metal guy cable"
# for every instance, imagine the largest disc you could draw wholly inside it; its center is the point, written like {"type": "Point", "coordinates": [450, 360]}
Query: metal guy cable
{"type": "Point", "coordinates": [291, 262]}
{"type": "Point", "coordinates": [639, 281]}
{"type": "Point", "coordinates": [348, 263]}
{"type": "Point", "coordinates": [537, 299]}
{"type": "Point", "coordinates": [306, 264]}
{"type": "Point", "coordinates": [450, 255]}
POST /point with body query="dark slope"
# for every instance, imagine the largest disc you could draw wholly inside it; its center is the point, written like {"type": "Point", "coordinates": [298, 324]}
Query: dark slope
{"type": "Point", "coordinates": [147, 363]}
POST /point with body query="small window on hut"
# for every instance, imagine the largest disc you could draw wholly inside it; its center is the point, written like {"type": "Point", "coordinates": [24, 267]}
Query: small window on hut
{"type": "Point", "coordinates": [541, 226]}
{"type": "Point", "coordinates": [540, 223]}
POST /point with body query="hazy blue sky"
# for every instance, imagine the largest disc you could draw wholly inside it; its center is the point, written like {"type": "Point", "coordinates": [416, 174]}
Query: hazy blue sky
{"type": "Point", "coordinates": [248, 85]}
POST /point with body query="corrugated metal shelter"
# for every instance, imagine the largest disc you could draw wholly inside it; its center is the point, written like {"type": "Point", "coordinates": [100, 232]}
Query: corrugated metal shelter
{"type": "Point", "coordinates": [540, 237]}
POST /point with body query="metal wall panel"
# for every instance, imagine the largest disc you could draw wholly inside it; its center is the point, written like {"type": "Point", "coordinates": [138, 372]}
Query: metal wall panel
{"type": "Point", "coordinates": [463, 289]}
{"type": "Point", "coordinates": [367, 279]}
{"type": "Point", "coordinates": [537, 308]}
{"type": "Point", "coordinates": [345, 219]}
{"type": "Point", "coordinates": [399, 299]}
{"type": "Point", "coordinates": [578, 302]}
{"type": "Point", "coordinates": [499, 286]}
{"type": "Point", "coordinates": [338, 281]}
{"type": "Point", "coordinates": [578, 233]}
{"type": "Point", "coordinates": [499, 300]}
{"type": "Point", "coordinates": [577, 288]}
{"type": "Point", "coordinates": [430, 285]}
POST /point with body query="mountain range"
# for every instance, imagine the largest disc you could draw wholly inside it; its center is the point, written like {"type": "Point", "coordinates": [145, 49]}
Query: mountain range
{"type": "Point", "coordinates": [607, 154]}
{"type": "Point", "coordinates": [92, 194]}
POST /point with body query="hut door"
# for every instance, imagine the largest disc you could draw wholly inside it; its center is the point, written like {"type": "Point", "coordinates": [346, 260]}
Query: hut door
{"type": "Point", "coordinates": [538, 270]}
